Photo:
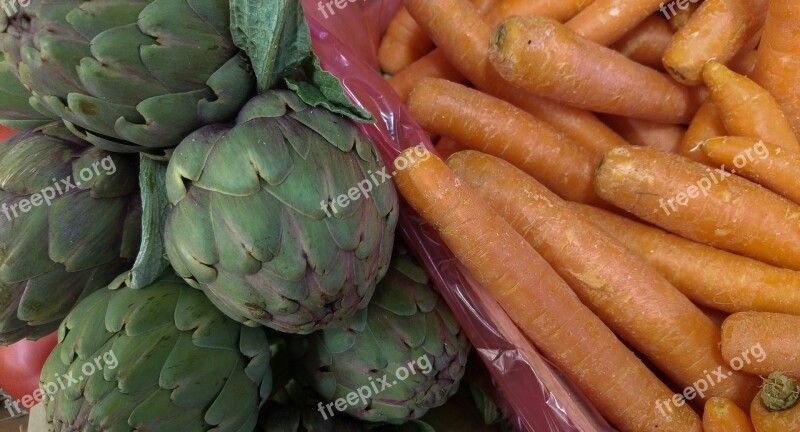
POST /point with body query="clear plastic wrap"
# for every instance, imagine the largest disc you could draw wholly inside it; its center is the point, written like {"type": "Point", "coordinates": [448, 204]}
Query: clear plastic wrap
{"type": "Point", "coordinates": [532, 393]}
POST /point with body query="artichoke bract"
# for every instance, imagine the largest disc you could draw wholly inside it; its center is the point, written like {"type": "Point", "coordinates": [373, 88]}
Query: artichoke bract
{"type": "Point", "coordinates": [130, 75]}
{"type": "Point", "coordinates": [70, 221]}
{"type": "Point", "coordinates": [256, 223]}
{"type": "Point", "coordinates": [391, 362]}
{"type": "Point", "coordinates": [160, 359]}
{"type": "Point", "coordinates": [16, 111]}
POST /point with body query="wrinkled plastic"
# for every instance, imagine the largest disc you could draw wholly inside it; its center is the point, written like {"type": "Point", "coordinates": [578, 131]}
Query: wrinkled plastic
{"type": "Point", "coordinates": [532, 393]}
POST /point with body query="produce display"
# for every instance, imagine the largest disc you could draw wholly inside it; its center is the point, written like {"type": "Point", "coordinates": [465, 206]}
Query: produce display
{"type": "Point", "coordinates": [400, 215]}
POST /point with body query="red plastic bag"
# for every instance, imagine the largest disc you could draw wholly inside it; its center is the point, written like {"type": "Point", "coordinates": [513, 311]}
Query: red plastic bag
{"type": "Point", "coordinates": [533, 394]}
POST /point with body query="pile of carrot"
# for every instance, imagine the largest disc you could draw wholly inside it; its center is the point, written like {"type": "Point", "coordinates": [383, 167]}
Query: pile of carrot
{"type": "Point", "coordinates": [623, 178]}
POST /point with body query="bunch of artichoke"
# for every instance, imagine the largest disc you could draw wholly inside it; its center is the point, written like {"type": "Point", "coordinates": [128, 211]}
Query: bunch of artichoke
{"type": "Point", "coordinates": [161, 359]}
{"type": "Point", "coordinates": [129, 75]}
{"type": "Point", "coordinates": [252, 224]}
{"type": "Point", "coordinates": [69, 223]}
{"type": "Point", "coordinates": [273, 210]}
{"type": "Point", "coordinates": [405, 353]}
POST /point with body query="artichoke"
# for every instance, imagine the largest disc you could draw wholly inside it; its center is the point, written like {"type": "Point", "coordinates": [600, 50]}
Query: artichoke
{"type": "Point", "coordinates": [70, 220]}
{"type": "Point", "coordinates": [405, 353]}
{"type": "Point", "coordinates": [294, 418]}
{"type": "Point", "coordinates": [130, 75]}
{"type": "Point", "coordinates": [16, 111]}
{"type": "Point", "coordinates": [161, 359]}
{"type": "Point", "coordinates": [252, 224]}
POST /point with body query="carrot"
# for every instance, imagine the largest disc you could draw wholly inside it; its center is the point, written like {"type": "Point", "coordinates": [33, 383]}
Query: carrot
{"type": "Point", "coordinates": [481, 122]}
{"type": "Point", "coordinates": [716, 316]}
{"type": "Point", "coordinates": [404, 42]}
{"type": "Point", "coordinates": [701, 204]}
{"type": "Point", "coordinates": [744, 63]}
{"type": "Point", "coordinates": [776, 408]}
{"type": "Point", "coordinates": [775, 335]}
{"type": "Point", "coordinates": [764, 163]}
{"type": "Point", "coordinates": [646, 43]}
{"type": "Point", "coordinates": [717, 30]}
{"type": "Point", "coordinates": [778, 63]}
{"type": "Point", "coordinates": [660, 136]}
{"type": "Point", "coordinates": [538, 300]}
{"type": "Point", "coordinates": [447, 147]}
{"type": "Point", "coordinates": [707, 123]}
{"type": "Point", "coordinates": [747, 109]}
{"type": "Point", "coordinates": [708, 276]}
{"type": "Point", "coordinates": [722, 415]}
{"type": "Point", "coordinates": [606, 21]}
{"type": "Point", "coordinates": [433, 65]}
{"type": "Point", "coordinates": [545, 57]}
{"type": "Point", "coordinates": [631, 297]}
{"type": "Point", "coordinates": [679, 17]}
{"type": "Point", "coordinates": [462, 35]}
{"type": "Point", "coordinates": [559, 10]}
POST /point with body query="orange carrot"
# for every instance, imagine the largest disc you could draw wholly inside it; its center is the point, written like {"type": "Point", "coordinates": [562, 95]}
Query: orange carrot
{"type": "Point", "coordinates": [766, 164]}
{"type": "Point", "coordinates": [716, 316]}
{"type": "Point", "coordinates": [606, 21]}
{"type": "Point", "coordinates": [545, 57]}
{"type": "Point", "coordinates": [433, 65]}
{"type": "Point", "coordinates": [722, 415]}
{"type": "Point", "coordinates": [777, 407]}
{"type": "Point", "coordinates": [775, 337]}
{"type": "Point", "coordinates": [646, 43]}
{"type": "Point", "coordinates": [660, 136]}
{"type": "Point", "coordinates": [747, 109]}
{"type": "Point", "coordinates": [744, 63]}
{"type": "Point", "coordinates": [707, 123]}
{"type": "Point", "coordinates": [462, 35]}
{"type": "Point", "coordinates": [701, 204]}
{"type": "Point", "coordinates": [679, 16]}
{"type": "Point", "coordinates": [404, 42]}
{"type": "Point", "coordinates": [538, 300]}
{"type": "Point", "coordinates": [717, 30]}
{"type": "Point", "coordinates": [481, 122]}
{"type": "Point", "coordinates": [559, 10]}
{"type": "Point", "coordinates": [778, 63]}
{"type": "Point", "coordinates": [708, 276]}
{"type": "Point", "coordinates": [447, 146]}
{"type": "Point", "coordinates": [631, 297]}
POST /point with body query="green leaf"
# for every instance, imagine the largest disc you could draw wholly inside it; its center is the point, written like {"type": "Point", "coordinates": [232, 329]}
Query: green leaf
{"type": "Point", "coordinates": [274, 34]}
{"type": "Point", "coordinates": [151, 261]}
{"type": "Point", "coordinates": [327, 91]}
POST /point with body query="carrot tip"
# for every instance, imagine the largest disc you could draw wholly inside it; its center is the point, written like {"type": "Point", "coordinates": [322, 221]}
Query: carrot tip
{"type": "Point", "coordinates": [780, 392]}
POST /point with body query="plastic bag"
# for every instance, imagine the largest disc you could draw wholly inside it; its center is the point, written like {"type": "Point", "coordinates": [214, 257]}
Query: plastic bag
{"type": "Point", "coordinates": [532, 393]}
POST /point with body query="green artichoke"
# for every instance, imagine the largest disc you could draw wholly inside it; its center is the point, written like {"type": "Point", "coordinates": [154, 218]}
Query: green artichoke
{"type": "Point", "coordinates": [293, 418]}
{"type": "Point", "coordinates": [252, 224]}
{"type": "Point", "coordinates": [130, 75]}
{"type": "Point", "coordinates": [16, 111]}
{"type": "Point", "coordinates": [402, 355]}
{"type": "Point", "coordinates": [161, 359]}
{"type": "Point", "coordinates": [70, 221]}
